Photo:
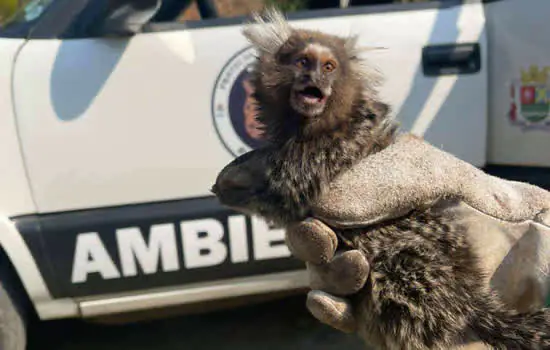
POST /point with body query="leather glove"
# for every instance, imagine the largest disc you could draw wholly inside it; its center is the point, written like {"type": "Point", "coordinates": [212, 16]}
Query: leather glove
{"type": "Point", "coordinates": [333, 274]}
{"type": "Point", "coordinates": [508, 223]}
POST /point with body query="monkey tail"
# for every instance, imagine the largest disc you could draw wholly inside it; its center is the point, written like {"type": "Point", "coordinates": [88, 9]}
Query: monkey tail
{"type": "Point", "coordinates": [504, 329]}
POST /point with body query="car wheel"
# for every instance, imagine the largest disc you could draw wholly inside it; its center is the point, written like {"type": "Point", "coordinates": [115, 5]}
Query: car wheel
{"type": "Point", "coordinates": [13, 325]}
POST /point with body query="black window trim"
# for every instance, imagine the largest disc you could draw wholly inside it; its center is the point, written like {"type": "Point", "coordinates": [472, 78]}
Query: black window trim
{"type": "Point", "coordinates": [55, 22]}
{"type": "Point", "coordinates": [316, 13]}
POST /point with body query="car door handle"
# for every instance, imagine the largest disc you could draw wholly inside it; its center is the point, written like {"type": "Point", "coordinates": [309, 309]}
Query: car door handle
{"type": "Point", "coordinates": [451, 59]}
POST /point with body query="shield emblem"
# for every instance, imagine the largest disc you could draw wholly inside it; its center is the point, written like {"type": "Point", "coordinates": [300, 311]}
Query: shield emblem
{"type": "Point", "coordinates": [533, 101]}
{"type": "Point", "coordinates": [530, 99]}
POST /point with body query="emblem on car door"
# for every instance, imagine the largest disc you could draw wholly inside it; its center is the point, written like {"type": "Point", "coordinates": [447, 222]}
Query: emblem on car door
{"type": "Point", "coordinates": [530, 99]}
{"type": "Point", "coordinates": [233, 108]}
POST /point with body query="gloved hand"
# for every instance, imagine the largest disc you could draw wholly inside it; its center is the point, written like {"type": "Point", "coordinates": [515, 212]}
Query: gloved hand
{"type": "Point", "coordinates": [508, 223]}
{"type": "Point", "coordinates": [333, 274]}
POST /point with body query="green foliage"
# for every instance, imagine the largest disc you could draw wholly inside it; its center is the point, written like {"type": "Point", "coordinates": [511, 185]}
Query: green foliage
{"type": "Point", "coordinates": [7, 8]}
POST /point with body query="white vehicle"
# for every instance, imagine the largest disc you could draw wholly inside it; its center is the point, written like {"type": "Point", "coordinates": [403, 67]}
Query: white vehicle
{"type": "Point", "coordinates": [114, 122]}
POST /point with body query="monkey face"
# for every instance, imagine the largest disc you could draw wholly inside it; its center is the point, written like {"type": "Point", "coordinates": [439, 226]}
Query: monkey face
{"type": "Point", "coordinates": [306, 82]}
{"type": "Point", "coordinates": [314, 69]}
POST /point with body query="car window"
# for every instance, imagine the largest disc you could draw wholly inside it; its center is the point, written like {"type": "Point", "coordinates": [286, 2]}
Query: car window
{"type": "Point", "coordinates": [195, 10]}
{"type": "Point", "coordinates": [19, 14]}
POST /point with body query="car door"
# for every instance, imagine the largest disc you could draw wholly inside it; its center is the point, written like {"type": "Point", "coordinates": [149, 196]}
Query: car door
{"type": "Point", "coordinates": [123, 137]}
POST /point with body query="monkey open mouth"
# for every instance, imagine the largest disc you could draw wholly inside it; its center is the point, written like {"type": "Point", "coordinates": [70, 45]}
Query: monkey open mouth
{"type": "Point", "coordinates": [311, 95]}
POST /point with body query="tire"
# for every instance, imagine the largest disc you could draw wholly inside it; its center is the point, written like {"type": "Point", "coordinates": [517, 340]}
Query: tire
{"type": "Point", "coordinates": [13, 318]}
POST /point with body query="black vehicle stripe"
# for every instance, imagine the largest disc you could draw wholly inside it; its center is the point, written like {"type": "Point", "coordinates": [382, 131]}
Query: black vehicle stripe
{"type": "Point", "coordinates": [52, 237]}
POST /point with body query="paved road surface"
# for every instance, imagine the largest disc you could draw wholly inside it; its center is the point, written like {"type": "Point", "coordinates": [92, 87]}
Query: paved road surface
{"type": "Point", "coordinates": [277, 325]}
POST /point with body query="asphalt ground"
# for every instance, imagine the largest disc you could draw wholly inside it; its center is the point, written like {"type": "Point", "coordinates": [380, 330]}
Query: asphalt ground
{"type": "Point", "coordinates": [282, 324]}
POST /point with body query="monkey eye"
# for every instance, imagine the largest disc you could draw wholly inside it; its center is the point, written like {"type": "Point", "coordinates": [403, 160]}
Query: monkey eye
{"type": "Point", "coordinates": [329, 67]}
{"type": "Point", "coordinates": [301, 62]}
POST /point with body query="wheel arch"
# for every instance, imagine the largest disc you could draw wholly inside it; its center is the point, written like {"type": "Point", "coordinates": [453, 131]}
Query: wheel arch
{"type": "Point", "coordinates": [19, 259]}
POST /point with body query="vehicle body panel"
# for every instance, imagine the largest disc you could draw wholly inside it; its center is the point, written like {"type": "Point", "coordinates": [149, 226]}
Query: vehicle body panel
{"type": "Point", "coordinates": [16, 196]}
{"type": "Point", "coordinates": [123, 137]}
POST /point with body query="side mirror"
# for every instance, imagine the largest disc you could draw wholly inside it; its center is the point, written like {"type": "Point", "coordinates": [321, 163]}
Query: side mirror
{"type": "Point", "coordinates": [128, 17]}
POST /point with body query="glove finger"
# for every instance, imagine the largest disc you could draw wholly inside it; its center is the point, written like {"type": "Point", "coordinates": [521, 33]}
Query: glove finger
{"type": "Point", "coordinates": [330, 310]}
{"type": "Point", "coordinates": [311, 241]}
{"type": "Point", "coordinates": [346, 274]}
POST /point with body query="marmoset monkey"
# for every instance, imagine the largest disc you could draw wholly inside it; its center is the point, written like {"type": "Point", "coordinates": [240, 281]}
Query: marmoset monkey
{"type": "Point", "coordinates": [321, 114]}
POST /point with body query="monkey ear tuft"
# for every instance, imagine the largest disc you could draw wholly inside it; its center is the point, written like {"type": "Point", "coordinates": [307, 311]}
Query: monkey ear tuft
{"type": "Point", "coordinates": [268, 34]}
{"type": "Point", "coordinates": [354, 51]}
{"type": "Point", "coordinates": [350, 44]}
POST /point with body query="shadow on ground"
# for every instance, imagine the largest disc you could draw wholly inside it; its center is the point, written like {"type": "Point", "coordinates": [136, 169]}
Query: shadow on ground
{"type": "Point", "coordinates": [277, 325]}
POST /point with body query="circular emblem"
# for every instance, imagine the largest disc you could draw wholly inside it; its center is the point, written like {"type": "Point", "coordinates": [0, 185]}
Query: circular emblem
{"type": "Point", "coordinates": [233, 107]}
